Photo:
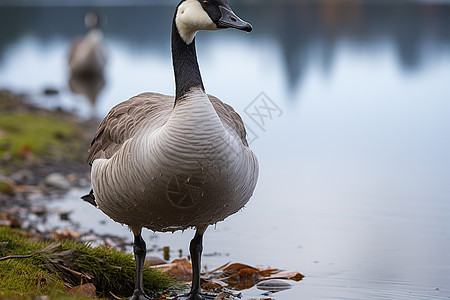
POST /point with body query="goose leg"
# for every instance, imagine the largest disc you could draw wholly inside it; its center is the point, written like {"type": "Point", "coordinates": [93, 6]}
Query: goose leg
{"type": "Point", "coordinates": [139, 256]}
{"type": "Point", "coordinates": [196, 248]}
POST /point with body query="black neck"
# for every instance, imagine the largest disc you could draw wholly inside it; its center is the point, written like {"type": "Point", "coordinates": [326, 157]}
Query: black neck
{"type": "Point", "coordinates": [185, 65]}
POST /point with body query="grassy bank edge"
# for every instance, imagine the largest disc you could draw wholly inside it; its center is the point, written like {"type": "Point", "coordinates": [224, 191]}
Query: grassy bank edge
{"type": "Point", "coordinates": [53, 267]}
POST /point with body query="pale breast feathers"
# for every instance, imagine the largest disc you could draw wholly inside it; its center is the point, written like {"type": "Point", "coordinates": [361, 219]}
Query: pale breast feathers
{"type": "Point", "coordinates": [126, 119]}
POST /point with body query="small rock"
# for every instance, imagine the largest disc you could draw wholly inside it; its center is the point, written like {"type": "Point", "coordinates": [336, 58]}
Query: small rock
{"type": "Point", "coordinates": [64, 215]}
{"type": "Point", "coordinates": [154, 261]}
{"type": "Point", "coordinates": [274, 285]}
{"type": "Point", "coordinates": [39, 211]}
{"type": "Point", "coordinates": [51, 91]}
{"type": "Point", "coordinates": [57, 180]}
{"type": "Point", "coordinates": [22, 177]}
{"type": "Point", "coordinates": [87, 290]}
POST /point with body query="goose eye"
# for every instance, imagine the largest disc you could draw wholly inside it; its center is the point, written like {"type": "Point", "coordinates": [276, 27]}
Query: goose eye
{"type": "Point", "coordinates": [205, 3]}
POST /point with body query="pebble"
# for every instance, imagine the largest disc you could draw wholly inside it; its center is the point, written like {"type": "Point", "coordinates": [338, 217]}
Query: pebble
{"type": "Point", "coordinates": [154, 261]}
{"type": "Point", "coordinates": [51, 91]}
{"type": "Point", "coordinates": [22, 176]}
{"type": "Point", "coordinates": [273, 285]}
{"type": "Point", "coordinates": [57, 180]}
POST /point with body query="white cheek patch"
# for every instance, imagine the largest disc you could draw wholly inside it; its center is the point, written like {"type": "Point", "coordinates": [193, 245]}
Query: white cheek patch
{"type": "Point", "coordinates": [191, 17]}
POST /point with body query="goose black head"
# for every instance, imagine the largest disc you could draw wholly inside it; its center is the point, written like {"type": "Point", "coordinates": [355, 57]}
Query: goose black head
{"type": "Point", "coordinates": [195, 15]}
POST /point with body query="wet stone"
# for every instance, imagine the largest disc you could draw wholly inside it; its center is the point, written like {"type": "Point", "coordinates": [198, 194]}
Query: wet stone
{"type": "Point", "coordinates": [22, 177]}
{"type": "Point", "coordinates": [57, 180]}
{"type": "Point", "coordinates": [154, 261]}
{"type": "Point", "coordinates": [274, 285]}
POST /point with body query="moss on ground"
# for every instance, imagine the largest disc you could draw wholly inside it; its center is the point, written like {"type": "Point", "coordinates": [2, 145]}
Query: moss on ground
{"type": "Point", "coordinates": [53, 267]}
{"type": "Point", "coordinates": [36, 142]}
{"type": "Point", "coordinates": [27, 133]}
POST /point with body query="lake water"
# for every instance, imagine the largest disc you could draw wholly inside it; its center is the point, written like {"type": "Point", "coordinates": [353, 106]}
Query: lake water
{"type": "Point", "coordinates": [353, 135]}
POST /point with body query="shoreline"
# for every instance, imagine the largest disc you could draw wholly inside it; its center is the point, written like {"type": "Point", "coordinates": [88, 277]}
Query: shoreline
{"type": "Point", "coordinates": [35, 170]}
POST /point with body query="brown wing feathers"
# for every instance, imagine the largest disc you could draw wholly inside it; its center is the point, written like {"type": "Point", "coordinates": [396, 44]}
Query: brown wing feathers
{"type": "Point", "coordinates": [124, 120]}
{"type": "Point", "coordinates": [230, 117]}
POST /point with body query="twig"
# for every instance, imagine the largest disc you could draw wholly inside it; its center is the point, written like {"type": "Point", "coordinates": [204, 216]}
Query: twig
{"type": "Point", "coordinates": [49, 248]}
{"type": "Point", "coordinates": [16, 257]}
{"type": "Point", "coordinates": [114, 296]}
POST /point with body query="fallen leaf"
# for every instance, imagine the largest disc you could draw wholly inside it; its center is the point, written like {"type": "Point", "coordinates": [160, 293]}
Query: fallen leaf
{"type": "Point", "coordinates": [239, 276]}
{"type": "Point", "coordinates": [65, 234]}
{"type": "Point", "coordinates": [230, 276]}
{"type": "Point", "coordinates": [220, 296]}
{"type": "Point", "coordinates": [25, 153]}
{"type": "Point", "coordinates": [233, 268]}
{"type": "Point", "coordinates": [210, 286]}
{"type": "Point", "coordinates": [179, 269]}
{"type": "Point", "coordinates": [291, 275]}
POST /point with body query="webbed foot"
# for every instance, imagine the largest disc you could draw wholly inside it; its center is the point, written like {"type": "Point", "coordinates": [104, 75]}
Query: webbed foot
{"type": "Point", "coordinates": [139, 295]}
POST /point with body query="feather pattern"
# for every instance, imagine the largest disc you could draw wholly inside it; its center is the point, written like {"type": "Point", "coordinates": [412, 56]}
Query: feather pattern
{"type": "Point", "coordinates": [149, 110]}
{"type": "Point", "coordinates": [169, 168]}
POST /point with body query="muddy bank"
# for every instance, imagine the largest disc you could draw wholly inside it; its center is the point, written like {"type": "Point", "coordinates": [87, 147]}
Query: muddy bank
{"type": "Point", "coordinates": [42, 156]}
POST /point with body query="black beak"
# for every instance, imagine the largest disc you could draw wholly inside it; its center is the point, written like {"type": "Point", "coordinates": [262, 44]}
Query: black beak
{"type": "Point", "coordinates": [230, 20]}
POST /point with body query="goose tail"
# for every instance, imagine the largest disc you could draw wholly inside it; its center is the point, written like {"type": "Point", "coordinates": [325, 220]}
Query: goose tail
{"type": "Point", "coordinates": [90, 198]}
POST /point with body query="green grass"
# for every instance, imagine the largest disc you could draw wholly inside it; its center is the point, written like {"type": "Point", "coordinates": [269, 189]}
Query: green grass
{"type": "Point", "coordinates": [67, 264]}
{"type": "Point", "coordinates": [39, 134]}
{"type": "Point", "coordinates": [24, 276]}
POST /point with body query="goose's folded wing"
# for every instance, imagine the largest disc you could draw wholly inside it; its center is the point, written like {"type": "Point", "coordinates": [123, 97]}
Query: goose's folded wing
{"type": "Point", "coordinates": [125, 120]}
{"type": "Point", "coordinates": [230, 117]}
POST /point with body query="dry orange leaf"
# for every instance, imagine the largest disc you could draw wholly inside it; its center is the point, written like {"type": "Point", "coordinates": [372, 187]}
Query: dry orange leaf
{"type": "Point", "coordinates": [179, 269]}
{"type": "Point", "coordinates": [234, 276]}
{"type": "Point", "coordinates": [291, 275]}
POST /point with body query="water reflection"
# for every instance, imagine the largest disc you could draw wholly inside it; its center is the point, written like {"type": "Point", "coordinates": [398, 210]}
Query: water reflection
{"type": "Point", "coordinates": [308, 33]}
{"type": "Point", "coordinates": [89, 86]}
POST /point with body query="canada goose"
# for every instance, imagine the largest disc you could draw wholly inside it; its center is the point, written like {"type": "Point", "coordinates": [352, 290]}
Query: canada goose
{"type": "Point", "coordinates": [87, 55]}
{"type": "Point", "coordinates": [171, 163]}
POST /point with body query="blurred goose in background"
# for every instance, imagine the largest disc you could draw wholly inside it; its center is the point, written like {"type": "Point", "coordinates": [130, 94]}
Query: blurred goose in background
{"type": "Point", "coordinates": [87, 55]}
{"type": "Point", "coordinates": [170, 163]}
